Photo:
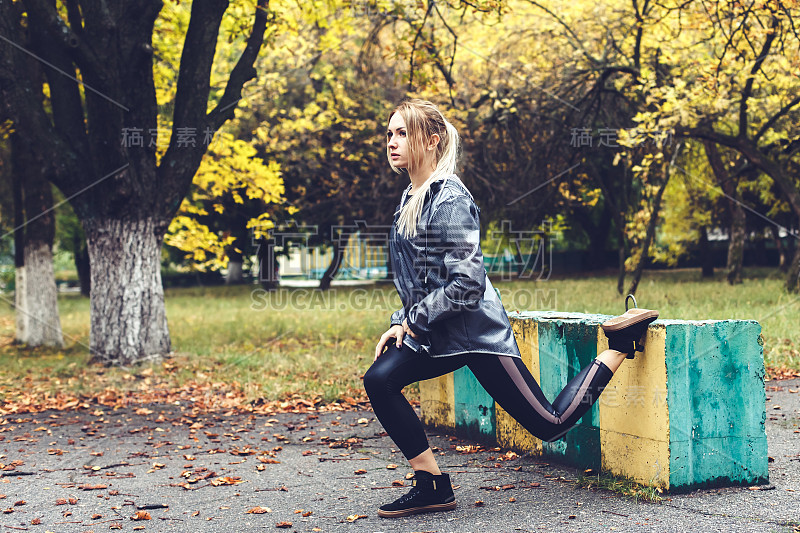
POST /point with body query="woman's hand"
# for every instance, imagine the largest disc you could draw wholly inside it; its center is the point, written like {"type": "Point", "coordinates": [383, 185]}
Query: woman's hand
{"type": "Point", "coordinates": [407, 329]}
{"type": "Point", "coordinates": [395, 331]}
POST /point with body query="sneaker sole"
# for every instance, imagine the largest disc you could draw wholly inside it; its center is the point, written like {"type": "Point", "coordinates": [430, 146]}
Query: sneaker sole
{"type": "Point", "coordinates": [630, 318]}
{"type": "Point", "coordinates": [417, 510]}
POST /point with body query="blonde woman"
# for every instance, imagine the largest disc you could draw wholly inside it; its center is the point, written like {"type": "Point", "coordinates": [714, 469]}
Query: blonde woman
{"type": "Point", "coordinates": [452, 317]}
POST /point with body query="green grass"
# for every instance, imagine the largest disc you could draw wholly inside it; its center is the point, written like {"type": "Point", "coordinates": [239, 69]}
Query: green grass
{"type": "Point", "coordinates": [620, 485]}
{"type": "Point", "coordinates": [319, 345]}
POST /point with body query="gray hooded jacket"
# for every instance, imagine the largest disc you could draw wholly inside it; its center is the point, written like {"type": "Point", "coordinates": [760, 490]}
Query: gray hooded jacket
{"type": "Point", "coordinates": [447, 297]}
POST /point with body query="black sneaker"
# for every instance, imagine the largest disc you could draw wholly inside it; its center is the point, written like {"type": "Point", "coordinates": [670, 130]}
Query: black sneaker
{"type": "Point", "coordinates": [428, 494]}
{"type": "Point", "coordinates": [625, 331]}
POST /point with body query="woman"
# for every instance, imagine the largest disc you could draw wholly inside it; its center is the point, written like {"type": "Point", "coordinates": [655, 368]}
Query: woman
{"type": "Point", "coordinates": [452, 317]}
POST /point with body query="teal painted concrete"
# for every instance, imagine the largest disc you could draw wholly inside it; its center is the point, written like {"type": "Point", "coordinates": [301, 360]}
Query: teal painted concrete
{"type": "Point", "coordinates": [474, 408]}
{"type": "Point", "coordinates": [715, 396]}
{"type": "Point", "coordinates": [566, 346]}
{"type": "Point", "coordinates": [583, 441]}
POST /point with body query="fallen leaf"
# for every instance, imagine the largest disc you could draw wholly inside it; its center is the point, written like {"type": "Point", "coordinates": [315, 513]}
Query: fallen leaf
{"type": "Point", "coordinates": [512, 499]}
{"type": "Point", "coordinates": [97, 516]}
{"type": "Point", "coordinates": [284, 525]}
{"type": "Point", "coordinates": [478, 503]}
{"type": "Point", "coordinates": [259, 510]}
{"type": "Point", "coordinates": [354, 517]}
{"type": "Point", "coordinates": [93, 487]}
{"type": "Point", "coordinates": [141, 515]}
{"type": "Point", "coordinates": [360, 471]}
{"type": "Point", "coordinates": [36, 521]}
{"type": "Point", "coordinates": [226, 480]}
{"type": "Point", "coordinates": [20, 502]}
{"type": "Point", "coordinates": [391, 466]}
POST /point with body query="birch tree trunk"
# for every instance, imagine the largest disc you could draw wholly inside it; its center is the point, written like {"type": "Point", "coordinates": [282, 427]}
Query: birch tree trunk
{"type": "Point", "coordinates": [128, 317]}
{"type": "Point", "coordinates": [37, 319]}
{"type": "Point", "coordinates": [37, 299]}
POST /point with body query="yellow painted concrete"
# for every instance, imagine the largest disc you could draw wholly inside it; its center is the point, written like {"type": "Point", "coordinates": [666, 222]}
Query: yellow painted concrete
{"type": "Point", "coordinates": [510, 433]}
{"type": "Point", "coordinates": [634, 420]}
{"type": "Point", "coordinates": [437, 399]}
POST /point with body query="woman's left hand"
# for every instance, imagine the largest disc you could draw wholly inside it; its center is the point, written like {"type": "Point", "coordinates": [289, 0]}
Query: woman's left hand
{"type": "Point", "coordinates": [408, 329]}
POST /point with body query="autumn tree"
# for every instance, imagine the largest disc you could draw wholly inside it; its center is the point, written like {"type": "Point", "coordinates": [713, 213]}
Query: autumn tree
{"type": "Point", "coordinates": [96, 144]}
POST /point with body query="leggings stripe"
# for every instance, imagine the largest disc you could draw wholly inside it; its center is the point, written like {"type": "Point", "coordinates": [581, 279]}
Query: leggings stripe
{"type": "Point", "coordinates": [522, 386]}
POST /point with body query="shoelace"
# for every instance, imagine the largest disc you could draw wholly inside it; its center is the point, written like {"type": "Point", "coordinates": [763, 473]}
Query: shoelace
{"type": "Point", "coordinates": [409, 496]}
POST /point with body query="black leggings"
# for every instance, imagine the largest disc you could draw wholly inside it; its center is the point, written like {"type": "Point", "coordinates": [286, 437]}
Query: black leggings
{"type": "Point", "coordinates": [505, 378]}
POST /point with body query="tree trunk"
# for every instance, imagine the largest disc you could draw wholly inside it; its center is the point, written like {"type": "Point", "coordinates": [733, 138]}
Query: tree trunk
{"type": "Point", "coordinates": [82, 266]}
{"type": "Point", "coordinates": [129, 320]}
{"type": "Point", "coordinates": [621, 262]}
{"type": "Point", "coordinates": [389, 269]}
{"type": "Point", "coordinates": [736, 241]}
{"type": "Point", "coordinates": [650, 235]}
{"type": "Point", "coordinates": [38, 323]}
{"type": "Point", "coordinates": [267, 264]}
{"type": "Point", "coordinates": [39, 307]}
{"type": "Point", "coordinates": [793, 274]}
{"type": "Point", "coordinates": [737, 233]}
{"type": "Point", "coordinates": [333, 268]}
{"type": "Point", "coordinates": [19, 256]}
{"type": "Point", "coordinates": [706, 257]}
{"type": "Point", "coordinates": [235, 272]}
{"type": "Point", "coordinates": [783, 255]}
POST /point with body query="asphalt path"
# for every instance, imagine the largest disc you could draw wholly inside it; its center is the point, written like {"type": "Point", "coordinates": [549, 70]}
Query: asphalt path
{"type": "Point", "coordinates": [98, 469]}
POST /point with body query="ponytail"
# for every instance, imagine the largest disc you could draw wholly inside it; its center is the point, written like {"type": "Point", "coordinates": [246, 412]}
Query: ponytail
{"type": "Point", "coordinates": [423, 119]}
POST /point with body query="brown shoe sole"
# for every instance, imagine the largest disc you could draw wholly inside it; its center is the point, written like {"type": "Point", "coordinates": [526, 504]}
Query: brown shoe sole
{"type": "Point", "coordinates": [631, 317]}
{"type": "Point", "coordinates": [417, 510]}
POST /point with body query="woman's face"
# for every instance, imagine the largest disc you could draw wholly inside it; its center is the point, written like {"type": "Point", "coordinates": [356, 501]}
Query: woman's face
{"type": "Point", "coordinates": [397, 141]}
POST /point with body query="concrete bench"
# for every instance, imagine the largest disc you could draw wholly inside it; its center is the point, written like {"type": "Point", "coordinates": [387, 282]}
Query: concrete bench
{"type": "Point", "coordinates": [688, 412]}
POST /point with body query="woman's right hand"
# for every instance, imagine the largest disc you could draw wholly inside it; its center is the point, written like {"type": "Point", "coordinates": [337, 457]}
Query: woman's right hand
{"type": "Point", "coordinates": [395, 331]}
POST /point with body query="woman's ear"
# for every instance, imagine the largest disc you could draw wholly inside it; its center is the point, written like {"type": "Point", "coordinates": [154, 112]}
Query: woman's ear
{"type": "Point", "coordinates": [434, 140]}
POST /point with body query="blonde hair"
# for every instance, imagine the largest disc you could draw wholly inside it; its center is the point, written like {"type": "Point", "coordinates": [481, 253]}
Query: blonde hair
{"type": "Point", "coordinates": [423, 120]}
